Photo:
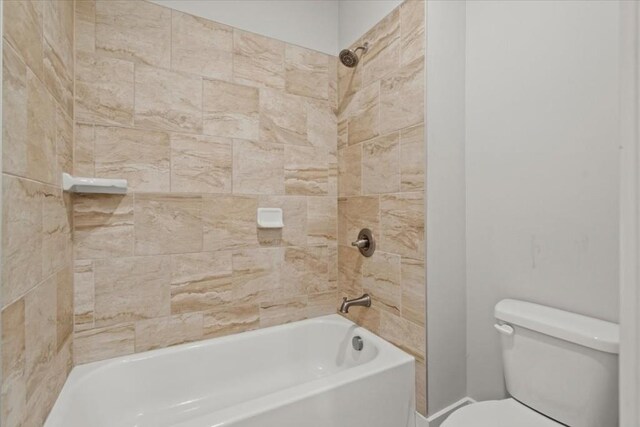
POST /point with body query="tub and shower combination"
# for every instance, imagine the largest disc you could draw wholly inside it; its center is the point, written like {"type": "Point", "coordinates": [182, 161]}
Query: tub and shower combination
{"type": "Point", "coordinates": [309, 373]}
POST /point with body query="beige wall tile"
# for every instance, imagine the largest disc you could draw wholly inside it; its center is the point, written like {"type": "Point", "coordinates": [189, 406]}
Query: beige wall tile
{"type": "Point", "coordinates": [343, 134]}
{"type": "Point", "coordinates": [23, 28]}
{"type": "Point", "coordinates": [38, 155]}
{"type": "Point", "coordinates": [85, 26]}
{"type": "Point", "coordinates": [256, 274]}
{"type": "Point", "coordinates": [350, 171]}
{"type": "Point", "coordinates": [322, 304]}
{"type": "Point", "coordinates": [83, 150]}
{"type": "Point", "coordinates": [283, 310]}
{"type": "Point", "coordinates": [421, 388]}
{"type": "Point", "coordinates": [103, 226]}
{"type": "Point", "coordinates": [412, 158]}
{"type": "Point", "coordinates": [64, 306]}
{"type": "Point", "coordinates": [294, 216]}
{"type": "Point", "coordinates": [140, 156]}
{"type": "Point", "coordinates": [307, 72]}
{"type": "Point", "coordinates": [166, 331]}
{"type": "Point", "coordinates": [363, 119]}
{"type": "Point", "coordinates": [103, 343]}
{"type": "Point", "coordinates": [230, 110]}
{"type": "Point", "coordinates": [21, 237]}
{"type": "Point", "coordinates": [258, 60]}
{"type": "Point", "coordinates": [168, 100]}
{"type": "Point", "coordinates": [130, 289]}
{"type": "Point", "coordinates": [200, 46]}
{"type": "Point", "coordinates": [383, 55]}
{"type": "Point", "coordinates": [283, 118]}
{"type": "Point", "coordinates": [167, 224]}
{"type": "Point", "coordinates": [363, 212]}
{"type": "Point", "coordinates": [14, 387]}
{"type": "Point", "coordinates": [305, 270]}
{"type": "Point", "coordinates": [381, 165]}
{"type": "Point", "coordinates": [83, 295]}
{"type": "Point", "coordinates": [349, 83]}
{"type": "Point", "coordinates": [306, 170]}
{"type": "Point", "coordinates": [201, 281]}
{"type": "Point", "coordinates": [258, 168]}
{"type": "Point", "coordinates": [343, 238]}
{"type": "Point", "coordinates": [201, 164]}
{"type": "Point", "coordinates": [322, 126]}
{"type": "Point", "coordinates": [404, 334]}
{"type": "Point", "coordinates": [321, 220]}
{"type": "Point", "coordinates": [136, 30]}
{"type": "Point", "coordinates": [64, 143]}
{"type": "Point", "coordinates": [332, 270]}
{"type": "Point", "coordinates": [231, 319]}
{"type": "Point", "coordinates": [368, 318]}
{"type": "Point", "coordinates": [350, 271]}
{"type": "Point", "coordinates": [413, 27]}
{"type": "Point", "coordinates": [14, 113]}
{"type": "Point", "coordinates": [381, 280]}
{"type": "Point", "coordinates": [402, 224]}
{"type": "Point", "coordinates": [56, 230]}
{"type": "Point", "coordinates": [104, 90]}
{"type": "Point", "coordinates": [229, 222]}
{"type": "Point", "coordinates": [402, 97]}
{"type": "Point", "coordinates": [413, 290]}
{"type": "Point", "coordinates": [58, 52]}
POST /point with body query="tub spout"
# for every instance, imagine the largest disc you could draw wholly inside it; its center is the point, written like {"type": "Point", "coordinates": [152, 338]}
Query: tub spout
{"type": "Point", "coordinates": [364, 301]}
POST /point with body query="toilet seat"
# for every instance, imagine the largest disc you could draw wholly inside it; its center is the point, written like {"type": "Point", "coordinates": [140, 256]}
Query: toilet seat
{"type": "Point", "coordinates": [498, 413]}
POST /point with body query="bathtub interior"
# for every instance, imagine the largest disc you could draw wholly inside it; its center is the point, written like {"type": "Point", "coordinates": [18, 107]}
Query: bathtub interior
{"type": "Point", "coordinates": [168, 386]}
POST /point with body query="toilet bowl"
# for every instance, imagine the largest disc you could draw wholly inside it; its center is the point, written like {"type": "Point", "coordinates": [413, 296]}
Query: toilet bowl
{"type": "Point", "coordinates": [498, 413]}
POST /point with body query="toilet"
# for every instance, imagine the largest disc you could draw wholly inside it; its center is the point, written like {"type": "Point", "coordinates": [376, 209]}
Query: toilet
{"type": "Point", "coordinates": [560, 369]}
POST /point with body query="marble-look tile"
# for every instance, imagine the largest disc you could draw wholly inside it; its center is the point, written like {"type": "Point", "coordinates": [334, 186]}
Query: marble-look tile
{"type": "Point", "coordinates": [56, 230]}
{"type": "Point", "coordinates": [83, 150]}
{"type": "Point", "coordinates": [367, 317]}
{"type": "Point", "coordinates": [413, 290]}
{"type": "Point", "coordinates": [283, 118]}
{"type": "Point", "coordinates": [306, 170]}
{"type": "Point", "coordinates": [412, 22]}
{"type": "Point", "coordinates": [306, 72]}
{"type": "Point", "coordinates": [21, 237]}
{"type": "Point", "coordinates": [167, 100]}
{"type": "Point", "coordinates": [139, 156]}
{"type": "Point", "coordinates": [201, 46]}
{"type": "Point", "coordinates": [83, 295]}
{"type": "Point", "coordinates": [366, 114]}
{"type": "Point", "coordinates": [402, 97]}
{"type": "Point", "coordinates": [322, 220]}
{"type": "Point", "coordinates": [279, 311]}
{"type": "Point", "coordinates": [200, 281]}
{"type": "Point", "coordinates": [381, 280]}
{"type": "Point", "coordinates": [383, 55]}
{"type": "Point", "coordinates": [381, 165]}
{"type": "Point", "coordinates": [14, 387]}
{"type": "Point", "coordinates": [322, 126]}
{"type": "Point", "coordinates": [64, 143]}
{"type": "Point", "coordinates": [229, 222]}
{"type": "Point", "coordinates": [402, 224]}
{"type": "Point", "coordinates": [167, 224]}
{"type": "Point", "coordinates": [322, 304]}
{"type": "Point", "coordinates": [404, 334]}
{"type": "Point", "coordinates": [343, 238]}
{"type": "Point", "coordinates": [258, 168]}
{"type": "Point", "coordinates": [131, 289]}
{"type": "Point", "coordinates": [231, 319]}
{"type": "Point", "coordinates": [103, 343]}
{"type": "Point", "coordinates": [363, 212]}
{"type": "Point", "coordinates": [256, 274]}
{"type": "Point", "coordinates": [64, 306]}
{"type": "Point", "coordinates": [258, 60]}
{"type": "Point", "coordinates": [343, 134]}
{"type": "Point", "coordinates": [332, 181]}
{"type": "Point", "coordinates": [350, 271]}
{"type": "Point", "coordinates": [23, 29]}
{"type": "Point", "coordinates": [230, 110]}
{"type": "Point", "coordinates": [412, 158]}
{"type": "Point", "coordinates": [103, 226]}
{"type": "Point", "coordinates": [58, 51]}
{"type": "Point", "coordinates": [201, 164]}
{"type": "Point", "coordinates": [305, 270]}
{"type": "Point", "coordinates": [350, 171]}
{"type": "Point", "coordinates": [136, 30]}
{"type": "Point", "coordinates": [333, 84]}
{"type": "Point", "coordinates": [421, 388]}
{"type": "Point", "coordinates": [166, 331]}
{"type": "Point", "coordinates": [104, 90]}
{"type": "Point", "coordinates": [85, 26]}
{"type": "Point", "coordinates": [332, 267]}
{"type": "Point", "coordinates": [14, 111]}
{"type": "Point", "coordinates": [294, 215]}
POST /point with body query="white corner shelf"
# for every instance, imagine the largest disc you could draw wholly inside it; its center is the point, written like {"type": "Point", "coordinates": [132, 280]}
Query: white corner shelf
{"type": "Point", "coordinates": [270, 218]}
{"type": "Point", "coordinates": [76, 184]}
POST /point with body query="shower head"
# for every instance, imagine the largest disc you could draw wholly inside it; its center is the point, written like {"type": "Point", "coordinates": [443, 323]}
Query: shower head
{"type": "Point", "coordinates": [349, 58]}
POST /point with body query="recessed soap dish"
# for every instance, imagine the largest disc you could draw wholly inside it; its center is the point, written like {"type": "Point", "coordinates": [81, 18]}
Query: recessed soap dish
{"type": "Point", "coordinates": [270, 218]}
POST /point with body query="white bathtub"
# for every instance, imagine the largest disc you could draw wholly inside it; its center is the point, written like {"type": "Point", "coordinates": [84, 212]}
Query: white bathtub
{"type": "Point", "coordinates": [303, 374]}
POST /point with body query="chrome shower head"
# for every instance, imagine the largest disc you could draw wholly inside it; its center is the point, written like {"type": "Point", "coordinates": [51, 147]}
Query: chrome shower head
{"type": "Point", "coordinates": [349, 58]}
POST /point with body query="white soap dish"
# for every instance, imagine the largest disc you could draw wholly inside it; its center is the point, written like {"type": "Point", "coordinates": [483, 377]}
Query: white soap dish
{"type": "Point", "coordinates": [270, 218]}
{"type": "Point", "coordinates": [75, 184]}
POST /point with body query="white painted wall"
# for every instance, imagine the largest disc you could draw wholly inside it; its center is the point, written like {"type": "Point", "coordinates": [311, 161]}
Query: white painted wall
{"type": "Point", "coordinates": [445, 204]}
{"type": "Point", "coordinates": [542, 166]}
{"type": "Point", "coordinates": [308, 23]}
{"type": "Point", "coordinates": [358, 16]}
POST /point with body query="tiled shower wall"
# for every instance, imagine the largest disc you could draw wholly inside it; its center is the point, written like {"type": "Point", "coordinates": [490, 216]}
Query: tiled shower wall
{"type": "Point", "coordinates": [381, 182]}
{"type": "Point", "coordinates": [207, 123]}
{"type": "Point", "coordinates": [37, 139]}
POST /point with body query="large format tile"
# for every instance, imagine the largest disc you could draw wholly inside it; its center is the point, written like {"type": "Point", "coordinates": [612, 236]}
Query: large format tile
{"type": "Point", "coordinates": [229, 222]}
{"type": "Point", "coordinates": [83, 295]}
{"type": "Point", "coordinates": [103, 343]}
{"type": "Point", "coordinates": [322, 220]}
{"type": "Point", "coordinates": [381, 165]}
{"type": "Point", "coordinates": [365, 115]}
{"type": "Point", "coordinates": [306, 170]}
{"type": "Point", "coordinates": [381, 280]}
{"type": "Point", "coordinates": [350, 171]}
{"type": "Point", "coordinates": [166, 331]}
{"type": "Point", "coordinates": [413, 290]}
{"type": "Point", "coordinates": [140, 156]}
{"type": "Point", "coordinates": [64, 143]}
{"type": "Point", "coordinates": [350, 271]}
{"type": "Point", "coordinates": [283, 118]}
{"type": "Point", "coordinates": [305, 270]}
{"type": "Point", "coordinates": [14, 112]}
{"type": "Point", "coordinates": [402, 97]}
{"type": "Point", "coordinates": [307, 72]}
{"type": "Point", "coordinates": [412, 158]}
{"type": "Point", "coordinates": [383, 55]}
{"type": "Point", "coordinates": [58, 52]}
{"type": "Point", "coordinates": [402, 224]}
{"type": "Point", "coordinates": [403, 333]}
{"type": "Point", "coordinates": [231, 319]}
{"type": "Point", "coordinates": [56, 230]}
{"type": "Point", "coordinates": [167, 100]}
{"type": "Point", "coordinates": [258, 168]}
{"type": "Point", "coordinates": [83, 150]}
{"type": "Point", "coordinates": [23, 29]}
{"type": "Point", "coordinates": [256, 274]}
{"type": "Point", "coordinates": [201, 164]}
{"type": "Point", "coordinates": [258, 60]}
{"type": "Point", "coordinates": [40, 148]}
{"type": "Point", "coordinates": [200, 46]}
{"type": "Point", "coordinates": [279, 311]}
{"type": "Point", "coordinates": [64, 306]}
{"type": "Point", "coordinates": [14, 387]}
{"type": "Point", "coordinates": [363, 212]}
{"type": "Point", "coordinates": [85, 26]}
{"type": "Point", "coordinates": [136, 30]}
{"type": "Point", "coordinates": [294, 215]}
{"type": "Point", "coordinates": [230, 110]}
{"type": "Point", "coordinates": [412, 22]}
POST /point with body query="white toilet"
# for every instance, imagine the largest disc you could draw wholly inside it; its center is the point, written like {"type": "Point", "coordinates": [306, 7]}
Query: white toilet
{"type": "Point", "coordinates": [560, 368]}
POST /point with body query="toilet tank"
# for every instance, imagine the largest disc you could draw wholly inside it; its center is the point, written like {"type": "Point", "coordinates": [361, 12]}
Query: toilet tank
{"type": "Point", "coordinates": [563, 365]}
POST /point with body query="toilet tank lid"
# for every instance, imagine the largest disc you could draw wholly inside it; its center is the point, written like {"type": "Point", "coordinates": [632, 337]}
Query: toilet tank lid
{"type": "Point", "coordinates": [576, 328]}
